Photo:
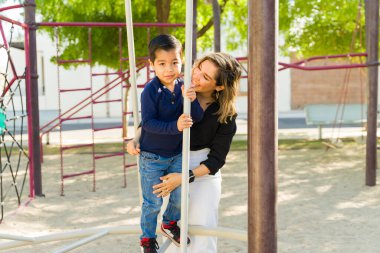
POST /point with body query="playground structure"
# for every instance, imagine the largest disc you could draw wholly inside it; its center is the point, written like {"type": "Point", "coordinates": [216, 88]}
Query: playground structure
{"type": "Point", "coordinates": [270, 117]}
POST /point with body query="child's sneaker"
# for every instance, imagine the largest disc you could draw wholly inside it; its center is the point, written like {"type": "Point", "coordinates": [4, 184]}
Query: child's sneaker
{"type": "Point", "coordinates": [173, 232]}
{"type": "Point", "coordinates": [150, 245]}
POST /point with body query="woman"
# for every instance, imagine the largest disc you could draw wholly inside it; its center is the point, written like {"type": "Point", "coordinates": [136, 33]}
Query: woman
{"type": "Point", "coordinates": [215, 79]}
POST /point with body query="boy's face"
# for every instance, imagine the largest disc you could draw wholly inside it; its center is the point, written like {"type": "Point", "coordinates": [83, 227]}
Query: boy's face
{"type": "Point", "coordinates": [167, 65]}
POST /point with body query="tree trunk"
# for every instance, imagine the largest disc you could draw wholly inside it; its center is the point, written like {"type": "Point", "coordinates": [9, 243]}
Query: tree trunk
{"type": "Point", "coordinates": [194, 52]}
{"type": "Point", "coordinates": [163, 11]}
{"type": "Point", "coordinates": [216, 12]}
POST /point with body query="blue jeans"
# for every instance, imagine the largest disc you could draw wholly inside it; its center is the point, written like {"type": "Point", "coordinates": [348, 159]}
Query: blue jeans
{"type": "Point", "coordinates": [152, 167]}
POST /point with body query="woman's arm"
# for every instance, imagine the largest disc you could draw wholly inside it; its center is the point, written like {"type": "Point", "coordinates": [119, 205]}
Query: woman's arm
{"type": "Point", "coordinates": [173, 180]}
{"type": "Point", "coordinates": [220, 146]}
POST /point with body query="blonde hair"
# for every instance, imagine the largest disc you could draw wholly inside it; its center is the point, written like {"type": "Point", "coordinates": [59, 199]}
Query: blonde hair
{"type": "Point", "coordinates": [228, 75]}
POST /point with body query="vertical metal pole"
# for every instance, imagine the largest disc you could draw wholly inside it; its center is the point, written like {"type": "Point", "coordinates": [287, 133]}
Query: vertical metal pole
{"type": "Point", "coordinates": [32, 97]}
{"type": "Point", "coordinates": [92, 111]}
{"type": "Point", "coordinates": [372, 43]}
{"type": "Point", "coordinates": [186, 132]}
{"type": "Point", "coordinates": [262, 126]}
{"type": "Point", "coordinates": [132, 79]}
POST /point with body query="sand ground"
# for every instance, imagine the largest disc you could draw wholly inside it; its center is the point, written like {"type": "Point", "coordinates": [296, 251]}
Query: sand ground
{"type": "Point", "coordinates": [323, 204]}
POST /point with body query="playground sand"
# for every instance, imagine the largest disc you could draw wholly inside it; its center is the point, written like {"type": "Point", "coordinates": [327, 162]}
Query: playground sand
{"type": "Point", "coordinates": [323, 204]}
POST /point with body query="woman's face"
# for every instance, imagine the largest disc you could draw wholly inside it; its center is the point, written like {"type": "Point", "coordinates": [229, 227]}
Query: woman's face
{"type": "Point", "coordinates": [203, 78]}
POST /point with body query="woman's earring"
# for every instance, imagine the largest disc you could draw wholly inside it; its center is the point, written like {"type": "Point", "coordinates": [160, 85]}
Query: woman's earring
{"type": "Point", "coordinates": [217, 94]}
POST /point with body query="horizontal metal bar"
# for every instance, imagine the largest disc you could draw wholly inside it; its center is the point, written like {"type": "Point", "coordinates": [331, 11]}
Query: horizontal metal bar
{"type": "Point", "coordinates": [70, 90]}
{"type": "Point", "coordinates": [79, 174]}
{"type": "Point", "coordinates": [138, 86]}
{"type": "Point", "coordinates": [106, 101]}
{"type": "Point", "coordinates": [130, 165]}
{"type": "Point", "coordinates": [76, 118]}
{"type": "Point", "coordinates": [96, 157]}
{"type": "Point", "coordinates": [72, 61]}
{"type": "Point", "coordinates": [108, 24]}
{"type": "Point", "coordinates": [313, 68]}
{"type": "Point", "coordinates": [77, 146]}
{"type": "Point", "coordinates": [106, 74]}
{"type": "Point", "coordinates": [107, 128]}
{"type": "Point", "coordinates": [11, 7]}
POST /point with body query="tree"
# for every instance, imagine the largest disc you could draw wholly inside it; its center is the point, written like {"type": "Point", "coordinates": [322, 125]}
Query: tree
{"type": "Point", "coordinates": [75, 39]}
{"type": "Point", "coordinates": [313, 27]}
{"type": "Point", "coordinates": [322, 27]}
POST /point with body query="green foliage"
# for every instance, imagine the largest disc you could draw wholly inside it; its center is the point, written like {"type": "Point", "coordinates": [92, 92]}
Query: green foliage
{"type": "Point", "coordinates": [74, 41]}
{"type": "Point", "coordinates": [321, 27]}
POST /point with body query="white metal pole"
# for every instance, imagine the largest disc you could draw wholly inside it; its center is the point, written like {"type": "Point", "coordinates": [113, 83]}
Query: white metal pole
{"type": "Point", "coordinates": [186, 132]}
{"type": "Point", "coordinates": [132, 77]}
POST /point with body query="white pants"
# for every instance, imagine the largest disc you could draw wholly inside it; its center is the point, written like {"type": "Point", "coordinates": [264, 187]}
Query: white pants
{"type": "Point", "coordinates": [204, 201]}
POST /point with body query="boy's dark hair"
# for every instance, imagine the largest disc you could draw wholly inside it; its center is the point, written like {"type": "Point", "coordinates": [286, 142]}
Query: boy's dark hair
{"type": "Point", "coordinates": [165, 42]}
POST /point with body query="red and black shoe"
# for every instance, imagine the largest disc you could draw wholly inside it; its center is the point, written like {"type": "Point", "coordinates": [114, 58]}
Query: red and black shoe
{"type": "Point", "coordinates": [173, 232]}
{"type": "Point", "coordinates": [150, 245]}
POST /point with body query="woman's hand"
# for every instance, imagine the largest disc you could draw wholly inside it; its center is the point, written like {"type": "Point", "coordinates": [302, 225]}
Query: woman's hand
{"type": "Point", "coordinates": [184, 121]}
{"type": "Point", "coordinates": [133, 148]}
{"type": "Point", "coordinates": [170, 182]}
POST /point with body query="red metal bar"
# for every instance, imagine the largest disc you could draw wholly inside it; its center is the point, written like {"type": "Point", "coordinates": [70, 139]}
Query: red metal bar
{"type": "Point", "coordinates": [137, 58]}
{"type": "Point", "coordinates": [85, 99]}
{"type": "Point", "coordinates": [108, 24]}
{"type": "Point", "coordinates": [77, 146]}
{"type": "Point", "coordinates": [23, 25]}
{"type": "Point", "coordinates": [75, 109]}
{"type": "Point", "coordinates": [76, 118]}
{"type": "Point", "coordinates": [92, 109]}
{"type": "Point", "coordinates": [312, 68]}
{"type": "Point", "coordinates": [130, 165]}
{"type": "Point", "coordinates": [106, 101]}
{"type": "Point", "coordinates": [123, 105]}
{"type": "Point", "coordinates": [72, 110]}
{"type": "Point", "coordinates": [106, 74]}
{"type": "Point", "coordinates": [11, 7]}
{"type": "Point", "coordinates": [70, 90]}
{"type": "Point", "coordinates": [321, 58]}
{"type": "Point", "coordinates": [106, 128]}
{"type": "Point", "coordinates": [6, 45]}
{"type": "Point", "coordinates": [108, 155]}
{"type": "Point", "coordinates": [72, 61]}
{"type": "Point", "coordinates": [78, 174]}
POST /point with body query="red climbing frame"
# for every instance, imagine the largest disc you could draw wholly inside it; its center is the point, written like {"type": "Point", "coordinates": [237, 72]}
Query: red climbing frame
{"type": "Point", "coordinates": [96, 97]}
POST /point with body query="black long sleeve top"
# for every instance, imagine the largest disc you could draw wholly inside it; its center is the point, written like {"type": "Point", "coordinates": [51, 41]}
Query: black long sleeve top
{"type": "Point", "coordinates": [210, 133]}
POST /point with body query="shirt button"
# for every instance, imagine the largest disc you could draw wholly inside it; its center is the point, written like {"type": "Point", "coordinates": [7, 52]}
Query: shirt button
{"type": "Point", "coordinates": [172, 102]}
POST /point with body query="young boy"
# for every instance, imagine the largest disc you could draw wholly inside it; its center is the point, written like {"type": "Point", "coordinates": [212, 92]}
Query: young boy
{"type": "Point", "coordinates": [161, 138]}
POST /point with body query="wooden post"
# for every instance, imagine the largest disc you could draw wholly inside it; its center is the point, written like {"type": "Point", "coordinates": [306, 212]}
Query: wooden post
{"type": "Point", "coordinates": [262, 126]}
{"type": "Point", "coordinates": [372, 43]}
{"type": "Point", "coordinates": [32, 96]}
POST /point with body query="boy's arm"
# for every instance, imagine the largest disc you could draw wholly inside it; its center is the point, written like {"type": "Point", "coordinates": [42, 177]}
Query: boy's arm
{"type": "Point", "coordinates": [149, 115]}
